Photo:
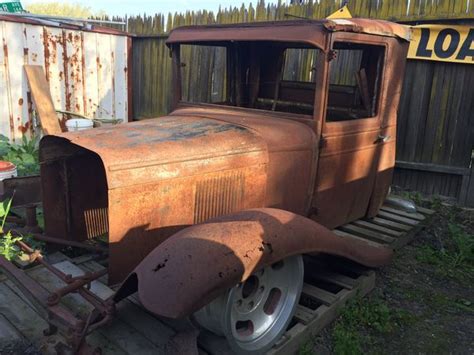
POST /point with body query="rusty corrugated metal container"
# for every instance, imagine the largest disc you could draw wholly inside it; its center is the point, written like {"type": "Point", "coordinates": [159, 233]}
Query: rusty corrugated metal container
{"type": "Point", "coordinates": [86, 67]}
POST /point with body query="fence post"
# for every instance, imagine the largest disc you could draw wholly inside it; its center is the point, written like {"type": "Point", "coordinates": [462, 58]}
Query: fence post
{"type": "Point", "coordinates": [467, 188]}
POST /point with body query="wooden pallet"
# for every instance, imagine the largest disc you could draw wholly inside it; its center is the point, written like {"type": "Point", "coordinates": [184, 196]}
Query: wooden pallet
{"type": "Point", "coordinates": [391, 227]}
{"type": "Point", "coordinates": [329, 284]}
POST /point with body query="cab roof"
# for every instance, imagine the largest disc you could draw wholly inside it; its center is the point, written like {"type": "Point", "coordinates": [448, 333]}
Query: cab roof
{"type": "Point", "coordinates": [309, 31]}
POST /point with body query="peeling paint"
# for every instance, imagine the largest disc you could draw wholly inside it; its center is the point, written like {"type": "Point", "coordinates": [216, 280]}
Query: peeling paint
{"type": "Point", "coordinates": [9, 93]}
{"type": "Point", "coordinates": [47, 54]}
{"type": "Point", "coordinates": [86, 73]}
{"type": "Point", "coordinates": [66, 73]}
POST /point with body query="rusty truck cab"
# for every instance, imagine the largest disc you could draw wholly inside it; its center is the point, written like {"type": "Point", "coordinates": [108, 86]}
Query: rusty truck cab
{"type": "Point", "coordinates": [341, 78]}
{"type": "Point", "coordinates": [278, 133]}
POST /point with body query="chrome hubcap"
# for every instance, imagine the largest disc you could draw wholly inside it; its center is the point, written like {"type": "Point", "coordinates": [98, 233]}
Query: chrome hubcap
{"type": "Point", "coordinates": [255, 313]}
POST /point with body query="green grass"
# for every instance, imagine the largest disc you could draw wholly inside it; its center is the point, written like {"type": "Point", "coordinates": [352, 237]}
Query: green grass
{"type": "Point", "coordinates": [362, 317]}
{"type": "Point", "coordinates": [455, 255]}
{"type": "Point", "coordinates": [306, 349]}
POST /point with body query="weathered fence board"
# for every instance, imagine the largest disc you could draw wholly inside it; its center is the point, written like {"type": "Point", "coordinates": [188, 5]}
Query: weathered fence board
{"type": "Point", "coordinates": [436, 129]}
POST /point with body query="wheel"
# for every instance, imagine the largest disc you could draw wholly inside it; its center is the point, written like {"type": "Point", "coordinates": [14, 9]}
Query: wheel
{"type": "Point", "coordinates": [254, 314]}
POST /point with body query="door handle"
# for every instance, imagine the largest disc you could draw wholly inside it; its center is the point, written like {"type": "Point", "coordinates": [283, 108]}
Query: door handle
{"type": "Point", "coordinates": [382, 138]}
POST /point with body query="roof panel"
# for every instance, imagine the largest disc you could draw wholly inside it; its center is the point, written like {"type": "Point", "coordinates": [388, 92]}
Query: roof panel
{"type": "Point", "coordinates": [310, 31]}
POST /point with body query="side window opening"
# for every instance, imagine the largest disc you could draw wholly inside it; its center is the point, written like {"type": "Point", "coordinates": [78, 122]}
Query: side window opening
{"type": "Point", "coordinates": [354, 81]}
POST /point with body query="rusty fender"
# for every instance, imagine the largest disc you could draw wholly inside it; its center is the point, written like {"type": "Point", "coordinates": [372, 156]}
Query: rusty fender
{"type": "Point", "coordinates": [199, 263]}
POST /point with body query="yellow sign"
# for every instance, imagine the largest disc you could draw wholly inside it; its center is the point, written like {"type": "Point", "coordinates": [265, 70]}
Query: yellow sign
{"type": "Point", "coordinates": [343, 12]}
{"type": "Point", "coordinates": [442, 43]}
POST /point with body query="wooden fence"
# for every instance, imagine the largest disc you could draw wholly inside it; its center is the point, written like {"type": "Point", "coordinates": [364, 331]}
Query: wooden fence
{"type": "Point", "coordinates": [152, 76]}
{"type": "Point", "coordinates": [436, 130]}
{"type": "Point", "coordinates": [435, 134]}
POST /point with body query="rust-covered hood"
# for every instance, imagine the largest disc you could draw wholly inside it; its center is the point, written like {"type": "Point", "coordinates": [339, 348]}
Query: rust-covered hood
{"type": "Point", "coordinates": [140, 152]}
{"type": "Point", "coordinates": [141, 182]}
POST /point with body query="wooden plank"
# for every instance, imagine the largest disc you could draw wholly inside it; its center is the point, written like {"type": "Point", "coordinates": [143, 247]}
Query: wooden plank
{"type": "Point", "coordinates": [291, 335]}
{"type": "Point", "coordinates": [213, 344]}
{"type": "Point", "coordinates": [336, 279]}
{"type": "Point", "coordinates": [21, 315]}
{"type": "Point", "coordinates": [367, 233]}
{"type": "Point", "coordinates": [145, 324]}
{"type": "Point", "coordinates": [98, 288]}
{"type": "Point", "coordinates": [416, 216]}
{"type": "Point", "coordinates": [406, 238]}
{"type": "Point", "coordinates": [93, 265]}
{"type": "Point", "coordinates": [397, 218]}
{"type": "Point", "coordinates": [349, 235]}
{"type": "Point", "coordinates": [303, 314]}
{"type": "Point", "coordinates": [51, 282]}
{"type": "Point", "coordinates": [377, 228]}
{"type": "Point", "coordinates": [299, 334]}
{"type": "Point", "coordinates": [42, 98]}
{"type": "Point", "coordinates": [389, 224]}
{"type": "Point", "coordinates": [141, 320]}
{"type": "Point", "coordinates": [107, 347]}
{"type": "Point", "coordinates": [20, 294]}
{"type": "Point", "coordinates": [468, 192]}
{"type": "Point", "coordinates": [133, 321]}
{"type": "Point", "coordinates": [426, 211]}
{"type": "Point", "coordinates": [444, 169]}
{"type": "Point", "coordinates": [10, 336]}
{"type": "Point", "coordinates": [324, 296]}
{"type": "Point", "coordinates": [128, 338]}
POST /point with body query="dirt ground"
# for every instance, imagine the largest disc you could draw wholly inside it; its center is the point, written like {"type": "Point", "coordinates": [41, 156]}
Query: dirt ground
{"type": "Point", "coordinates": [423, 302]}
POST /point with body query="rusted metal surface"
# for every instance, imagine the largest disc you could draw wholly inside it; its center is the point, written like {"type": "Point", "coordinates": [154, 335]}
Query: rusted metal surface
{"type": "Point", "coordinates": [148, 180]}
{"type": "Point", "coordinates": [140, 172]}
{"type": "Point", "coordinates": [309, 31]}
{"type": "Point", "coordinates": [86, 70]}
{"type": "Point", "coordinates": [193, 267]}
{"type": "Point", "coordinates": [48, 304]}
{"type": "Point", "coordinates": [355, 166]}
{"type": "Point", "coordinates": [372, 27]}
{"type": "Point", "coordinates": [70, 243]}
{"type": "Point", "coordinates": [292, 147]}
{"type": "Point", "coordinates": [27, 190]}
{"type": "Point", "coordinates": [195, 202]}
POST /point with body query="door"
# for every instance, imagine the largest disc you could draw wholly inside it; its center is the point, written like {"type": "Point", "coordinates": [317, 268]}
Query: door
{"type": "Point", "coordinates": [352, 134]}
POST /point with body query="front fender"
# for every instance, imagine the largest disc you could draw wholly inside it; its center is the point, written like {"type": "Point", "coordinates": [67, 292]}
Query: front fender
{"type": "Point", "coordinates": [199, 263]}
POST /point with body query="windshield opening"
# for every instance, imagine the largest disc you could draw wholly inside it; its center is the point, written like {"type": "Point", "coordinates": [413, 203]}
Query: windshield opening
{"type": "Point", "coordinates": [270, 76]}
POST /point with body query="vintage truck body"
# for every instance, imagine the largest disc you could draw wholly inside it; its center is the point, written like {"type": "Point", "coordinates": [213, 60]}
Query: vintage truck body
{"type": "Point", "coordinates": [199, 200]}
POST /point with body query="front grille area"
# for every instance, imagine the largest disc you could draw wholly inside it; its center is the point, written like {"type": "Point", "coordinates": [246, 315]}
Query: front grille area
{"type": "Point", "coordinates": [97, 222]}
{"type": "Point", "coordinates": [219, 195]}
